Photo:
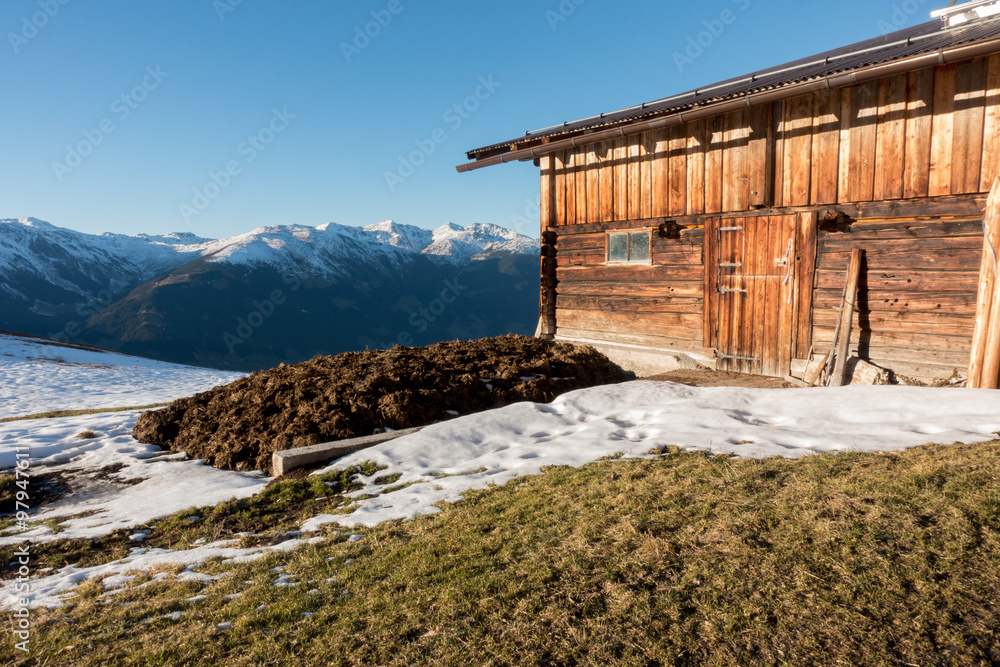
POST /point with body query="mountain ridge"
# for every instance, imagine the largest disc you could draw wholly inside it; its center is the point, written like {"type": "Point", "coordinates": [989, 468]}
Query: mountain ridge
{"type": "Point", "coordinates": [178, 296]}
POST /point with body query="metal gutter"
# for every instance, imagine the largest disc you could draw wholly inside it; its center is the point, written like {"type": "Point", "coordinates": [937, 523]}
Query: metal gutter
{"type": "Point", "coordinates": [932, 59]}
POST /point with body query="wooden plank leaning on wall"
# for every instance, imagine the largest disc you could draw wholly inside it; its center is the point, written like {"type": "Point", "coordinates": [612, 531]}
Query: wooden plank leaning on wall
{"type": "Point", "coordinates": [984, 364]}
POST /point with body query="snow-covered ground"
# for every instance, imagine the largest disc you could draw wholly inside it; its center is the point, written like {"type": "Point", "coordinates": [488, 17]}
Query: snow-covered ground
{"type": "Point", "coordinates": [120, 481]}
{"type": "Point", "coordinates": [36, 376]}
{"type": "Point", "coordinates": [445, 460]}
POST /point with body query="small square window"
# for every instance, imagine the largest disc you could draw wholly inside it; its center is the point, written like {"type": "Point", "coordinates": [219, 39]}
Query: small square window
{"type": "Point", "coordinates": [618, 248]}
{"type": "Point", "coordinates": [629, 247]}
{"type": "Point", "coordinates": [638, 247]}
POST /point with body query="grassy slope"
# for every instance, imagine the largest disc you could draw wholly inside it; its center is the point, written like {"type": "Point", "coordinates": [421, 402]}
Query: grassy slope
{"type": "Point", "coordinates": [686, 559]}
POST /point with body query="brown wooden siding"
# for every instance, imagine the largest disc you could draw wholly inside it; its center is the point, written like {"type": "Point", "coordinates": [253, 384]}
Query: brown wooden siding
{"type": "Point", "coordinates": [932, 132]}
{"type": "Point", "coordinates": [659, 305]}
{"type": "Point", "coordinates": [916, 301]}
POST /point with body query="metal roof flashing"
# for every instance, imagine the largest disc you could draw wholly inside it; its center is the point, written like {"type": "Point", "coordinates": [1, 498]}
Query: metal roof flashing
{"type": "Point", "coordinates": [835, 68]}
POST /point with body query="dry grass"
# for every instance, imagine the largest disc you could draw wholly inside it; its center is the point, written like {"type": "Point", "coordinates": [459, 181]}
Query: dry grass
{"type": "Point", "coordinates": [687, 559]}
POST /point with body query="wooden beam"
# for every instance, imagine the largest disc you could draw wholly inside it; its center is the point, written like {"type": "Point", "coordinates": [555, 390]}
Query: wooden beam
{"type": "Point", "coordinates": [991, 126]}
{"type": "Point", "coordinates": [984, 363]}
{"type": "Point", "coordinates": [847, 316]}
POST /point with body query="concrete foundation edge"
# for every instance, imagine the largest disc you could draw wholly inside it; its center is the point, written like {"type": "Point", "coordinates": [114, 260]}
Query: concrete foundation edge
{"type": "Point", "coordinates": [644, 361]}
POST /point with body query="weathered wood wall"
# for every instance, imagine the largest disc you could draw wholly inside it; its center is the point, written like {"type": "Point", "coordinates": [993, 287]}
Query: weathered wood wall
{"type": "Point", "coordinates": [908, 157]}
{"type": "Point", "coordinates": [658, 306]}
{"type": "Point", "coordinates": [917, 296]}
{"type": "Point", "coordinates": [928, 133]}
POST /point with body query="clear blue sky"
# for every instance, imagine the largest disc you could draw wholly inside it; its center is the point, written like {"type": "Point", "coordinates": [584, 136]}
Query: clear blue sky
{"type": "Point", "coordinates": [222, 68]}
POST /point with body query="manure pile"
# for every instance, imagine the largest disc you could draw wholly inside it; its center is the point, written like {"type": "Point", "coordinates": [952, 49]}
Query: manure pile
{"type": "Point", "coordinates": [238, 426]}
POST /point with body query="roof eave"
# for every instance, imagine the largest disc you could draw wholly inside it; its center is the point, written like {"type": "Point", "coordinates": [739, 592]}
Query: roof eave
{"type": "Point", "coordinates": [528, 147]}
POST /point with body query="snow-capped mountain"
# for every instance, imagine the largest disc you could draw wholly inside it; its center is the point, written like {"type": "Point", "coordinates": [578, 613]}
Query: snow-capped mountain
{"type": "Point", "coordinates": [28, 243]}
{"type": "Point", "coordinates": [116, 290]}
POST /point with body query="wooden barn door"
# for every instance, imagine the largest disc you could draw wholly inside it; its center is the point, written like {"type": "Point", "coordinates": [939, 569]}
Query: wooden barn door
{"type": "Point", "coordinates": [756, 293]}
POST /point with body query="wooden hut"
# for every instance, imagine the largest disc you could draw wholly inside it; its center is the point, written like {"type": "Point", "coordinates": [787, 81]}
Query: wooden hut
{"type": "Point", "coordinates": [719, 223]}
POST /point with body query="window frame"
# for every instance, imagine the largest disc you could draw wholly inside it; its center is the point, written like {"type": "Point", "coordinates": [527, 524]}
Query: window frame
{"type": "Point", "coordinates": [628, 233]}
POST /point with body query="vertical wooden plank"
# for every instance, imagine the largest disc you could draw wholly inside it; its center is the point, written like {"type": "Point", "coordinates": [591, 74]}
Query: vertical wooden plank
{"type": "Point", "coordinates": [760, 166]}
{"type": "Point", "coordinates": [560, 188]}
{"type": "Point", "coordinates": [678, 170]}
{"type": "Point", "coordinates": [919, 119]}
{"type": "Point", "coordinates": [970, 112]}
{"type": "Point", "coordinates": [580, 162]}
{"type": "Point", "coordinates": [547, 285]}
{"type": "Point", "coordinates": [736, 324]}
{"type": "Point", "coordinates": [761, 254]}
{"type": "Point", "coordinates": [571, 187]}
{"type": "Point", "coordinates": [890, 145]}
{"type": "Point", "coordinates": [942, 131]}
{"type": "Point", "coordinates": [714, 164]}
{"type": "Point", "coordinates": [646, 175]}
{"type": "Point", "coordinates": [621, 179]}
{"type": "Point", "coordinates": [751, 281]}
{"type": "Point", "coordinates": [991, 126]}
{"type": "Point", "coordinates": [710, 255]}
{"type": "Point", "coordinates": [797, 160]}
{"type": "Point", "coordinates": [826, 147]}
{"type": "Point", "coordinates": [786, 248]}
{"type": "Point", "coordinates": [864, 125]}
{"type": "Point", "coordinates": [722, 313]}
{"type": "Point", "coordinates": [983, 361]}
{"type": "Point", "coordinates": [697, 145]}
{"type": "Point", "coordinates": [844, 159]}
{"type": "Point", "coordinates": [773, 300]}
{"type": "Point", "coordinates": [661, 174]}
{"type": "Point", "coordinates": [735, 195]}
{"type": "Point", "coordinates": [634, 173]}
{"type": "Point", "coordinates": [607, 181]}
{"type": "Point", "coordinates": [593, 184]}
{"type": "Point", "coordinates": [725, 255]}
{"type": "Point", "coordinates": [805, 260]}
{"type": "Point", "coordinates": [547, 168]}
{"type": "Point", "coordinates": [777, 130]}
